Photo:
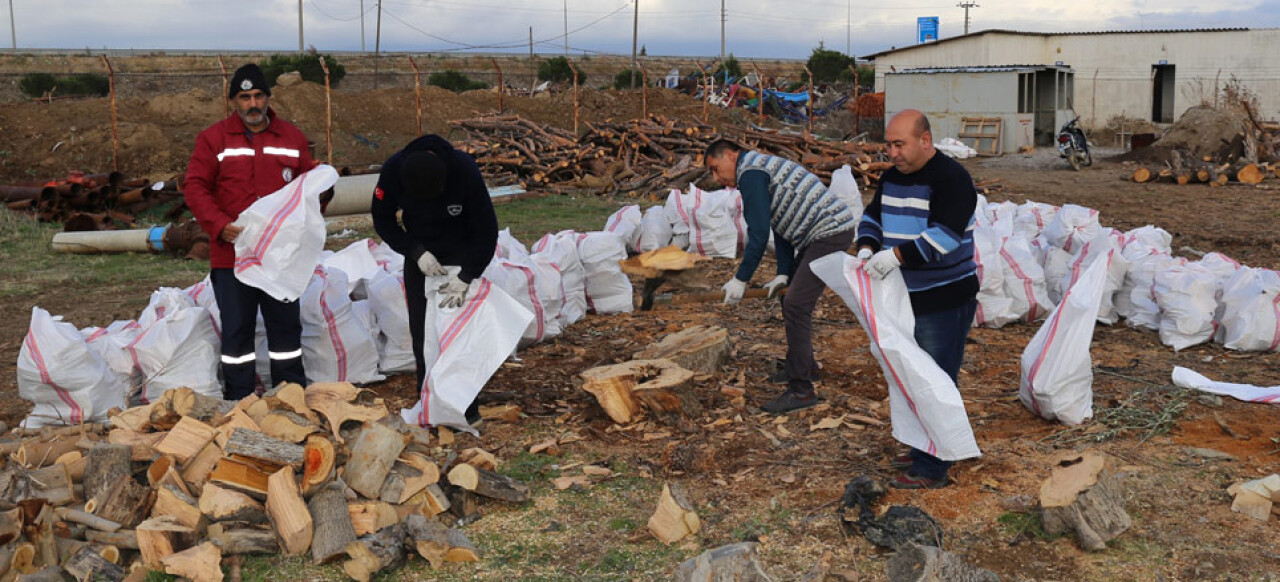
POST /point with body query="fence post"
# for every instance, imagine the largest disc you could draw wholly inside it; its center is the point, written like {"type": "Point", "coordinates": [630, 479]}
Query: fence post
{"type": "Point", "coordinates": [328, 115]}
{"type": "Point", "coordinates": [226, 88]}
{"type": "Point", "coordinates": [417, 92]}
{"type": "Point", "coordinates": [706, 96]}
{"type": "Point", "coordinates": [760, 95]}
{"type": "Point", "coordinates": [115, 138]}
{"type": "Point", "coordinates": [857, 112]}
{"type": "Point", "coordinates": [501, 88]}
{"type": "Point", "coordinates": [809, 103]}
{"type": "Point", "coordinates": [575, 95]}
{"type": "Point", "coordinates": [644, 90]}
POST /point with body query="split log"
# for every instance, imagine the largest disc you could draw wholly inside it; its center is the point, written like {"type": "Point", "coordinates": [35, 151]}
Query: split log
{"type": "Point", "coordinates": [478, 458]}
{"type": "Point", "coordinates": [288, 512]}
{"type": "Point", "coordinates": [289, 397]}
{"type": "Point", "coordinates": [76, 463]}
{"type": "Point", "coordinates": [374, 553]}
{"type": "Point", "coordinates": [432, 499]}
{"type": "Point", "coordinates": [40, 533]}
{"type": "Point", "coordinates": [89, 519]}
{"type": "Point", "coordinates": [173, 502]}
{"type": "Point", "coordinates": [235, 419]}
{"type": "Point", "coordinates": [87, 564]}
{"type": "Point", "coordinates": [107, 465]}
{"type": "Point", "coordinates": [15, 483]}
{"type": "Point", "coordinates": [288, 426]}
{"type": "Point", "coordinates": [430, 538]}
{"type": "Point", "coordinates": [179, 402]}
{"type": "Point", "coordinates": [240, 476]}
{"type": "Point", "coordinates": [43, 451]}
{"type": "Point", "coordinates": [238, 541]}
{"type": "Point", "coordinates": [700, 348]}
{"type": "Point", "coordinates": [46, 574]}
{"type": "Point", "coordinates": [411, 473]}
{"type": "Point", "coordinates": [141, 444]}
{"type": "Point", "coordinates": [17, 558]}
{"type": "Point", "coordinates": [10, 526]}
{"type": "Point", "coordinates": [660, 385]}
{"type": "Point", "coordinates": [319, 460]}
{"type": "Point", "coordinates": [488, 483]}
{"type": "Point", "coordinates": [1083, 496]}
{"type": "Point", "coordinates": [334, 529]}
{"type": "Point", "coordinates": [54, 484]}
{"type": "Point", "coordinates": [335, 400]}
{"type": "Point", "coordinates": [161, 537]}
{"type": "Point", "coordinates": [137, 418]}
{"type": "Point", "coordinates": [372, 456]}
{"type": "Point", "coordinates": [186, 439]}
{"type": "Point", "coordinates": [162, 473]}
{"type": "Point", "coordinates": [196, 470]}
{"type": "Point", "coordinates": [127, 502]}
{"type": "Point", "coordinates": [125, 538]}
{"type": "Point", "coordinates": [675, 517]}
{"type": "Point", "coordinates": [371, 516]}
{"type": "Point", "coordinates": [202, 563]}
{"type": "Point", "coordinates": [260, 447]}
{"type": "Point", "coordinates": [222, 504]}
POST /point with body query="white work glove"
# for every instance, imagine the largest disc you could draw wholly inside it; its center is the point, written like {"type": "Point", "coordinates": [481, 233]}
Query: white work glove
{"type": "Point", "coordinates": [733, 291]}
{"type": "Point", "coordinates": [452, 293]}
{"type": "Point", "coordinates": [864, 253]}
{"type": "Point", "coordinates": [882, 263]}
{"type": "Point", "coordinates": [429, 266]}
{"type": "Point", "coordinates": [777, 284]}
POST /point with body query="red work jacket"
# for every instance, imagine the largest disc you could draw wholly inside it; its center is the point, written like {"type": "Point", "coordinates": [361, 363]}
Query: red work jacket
{"type": "Point", "coordinates": [229, 171]}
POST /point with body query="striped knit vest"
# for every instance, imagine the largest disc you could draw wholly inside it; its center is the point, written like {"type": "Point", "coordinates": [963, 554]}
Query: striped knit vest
{"type": "Point", "coordinates": [801, 209]}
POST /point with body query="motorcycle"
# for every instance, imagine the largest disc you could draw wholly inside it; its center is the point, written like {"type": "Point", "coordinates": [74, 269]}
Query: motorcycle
{"type": "Point", "coordinates": [1073, 146]}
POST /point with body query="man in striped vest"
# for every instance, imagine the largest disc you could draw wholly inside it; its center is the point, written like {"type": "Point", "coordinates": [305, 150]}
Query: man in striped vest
{"type": "Point", "coordinates": [807, 222]}
{"type": "Point", "coordinates": [921, 221]}
{"type": "Point", "coordinates": [249, 155]}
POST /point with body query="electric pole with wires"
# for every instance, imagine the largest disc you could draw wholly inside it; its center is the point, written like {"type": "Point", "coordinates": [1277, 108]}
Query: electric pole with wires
{"type": "Point", "coordinates": [635, 34]}
{"type": "Point", "coordinates": [967, 6]}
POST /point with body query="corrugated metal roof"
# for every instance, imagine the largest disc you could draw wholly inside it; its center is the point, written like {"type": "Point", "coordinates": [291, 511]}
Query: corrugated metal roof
{"type": "Point", "coordinates": [978, 69]}
{"type": "Point", "coordinates": [1030, 33]}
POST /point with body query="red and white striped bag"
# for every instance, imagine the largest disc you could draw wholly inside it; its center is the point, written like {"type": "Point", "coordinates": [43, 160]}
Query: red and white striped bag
{"type": "Point", "coordinates": [626, 224]}
{"type": "Point", "coordinates": [66, 380]}
{"type": "Point", "coordinates": [283, 236]}
{"type": "Point", "coordinates": [336, 345]}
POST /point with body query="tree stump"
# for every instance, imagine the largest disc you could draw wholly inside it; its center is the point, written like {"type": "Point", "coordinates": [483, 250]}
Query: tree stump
{"type": "Point", "coordinates": [738, 562]}
{"type": "Point", "coordinates": [701, 348]}
{"type": "Point", "coordinates": [1083, 497]}
{"type": "Point", "coordinates": [658, 385]}
{"type": "Point", "coordinates": [916, 563]}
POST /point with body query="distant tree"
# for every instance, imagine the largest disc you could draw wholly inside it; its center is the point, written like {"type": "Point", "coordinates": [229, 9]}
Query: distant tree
{"type": "Point", "coordinates": [556, 70]}
{"type": "Point", "coordinates": [83, 84]}
{"type": "Point", "coordinates": [306, 64]}
{"type": "Point", "coordinates": [454, 81]}
{"type": "Point", "coordinates": [828, 65]}
{"type": "Point", "coordinates": [643, 52]}
{"type": "Point", "coordinates": [730, 65]}
{"type": "Point", "coordinates": [623, 79]}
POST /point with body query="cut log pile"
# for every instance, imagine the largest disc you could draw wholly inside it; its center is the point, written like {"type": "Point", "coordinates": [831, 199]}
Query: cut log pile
{"type": "Point", "coordinates": [181, 483]}
{"type": "Point", "coordinates": [637, 156]}
{"type": "Point", "coordinates": [1183, 169]}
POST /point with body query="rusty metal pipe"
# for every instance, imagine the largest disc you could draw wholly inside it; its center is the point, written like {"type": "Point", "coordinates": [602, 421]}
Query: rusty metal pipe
{"type": "Point", "coordinates": [19, 193]}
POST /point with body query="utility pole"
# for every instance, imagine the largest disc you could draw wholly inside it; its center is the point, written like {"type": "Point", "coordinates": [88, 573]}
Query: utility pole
{"type": "Point", "coordinates": [533, 69]}
{"type": "Point", "coordinates": [848, 25]}
{"type": "Point", "coordinates": [723, 16]}
{"type": "Point", "coordinates": [299, 25]}
{"type": "Point", "coordinates": [635, 33]}
{"type": "Point", "coordinates": [361, 25]}
{"type": "Point", "coordinates": [566, 28]}
{"type": "Point", "coordinates": [13, 28]}
{"type": "Point", "coordinates": [377, 44]}
{"type": "Point", "coordinates": [967, 6]}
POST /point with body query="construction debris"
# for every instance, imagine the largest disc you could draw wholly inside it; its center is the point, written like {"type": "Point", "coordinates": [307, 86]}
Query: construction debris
{"type": "Point", "coordinates": [210, 484]}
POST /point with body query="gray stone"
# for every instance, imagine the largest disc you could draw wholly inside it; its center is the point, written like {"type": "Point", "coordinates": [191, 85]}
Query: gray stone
{"type": "Point", "coordinates": [290, 78]}
{"type": "Point", "coordinates": [916, 563]}
{"type": "Point", "coordinates": [1210, 454]}
{"type": "Point", "coordinates": [731, 563]}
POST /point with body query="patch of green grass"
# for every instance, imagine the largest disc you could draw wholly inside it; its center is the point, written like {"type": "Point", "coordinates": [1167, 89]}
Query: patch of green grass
{"type": "Point", "coordinates": [530, 219]}
{"type": "Point", "coordinates": [623, 524]}
{"type": "Point", "coordinates": [158, 576]}
{"type": "Point", "coordinates": [529, 468]}
{"type": "Point", "coordinates": [1015, 524]}
{"type": "Point", "coordinates": [635, 562]}
{"type": "Point", "coordinates": [271, 568]}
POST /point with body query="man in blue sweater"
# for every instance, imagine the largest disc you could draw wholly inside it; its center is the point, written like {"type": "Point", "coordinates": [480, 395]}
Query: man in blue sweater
{"type": "Point", "coordinates": [445, 218]}
{"type": "Point", "coordinates": [808, 222]}
{"type": "Point", "coordinates": [921, 221]}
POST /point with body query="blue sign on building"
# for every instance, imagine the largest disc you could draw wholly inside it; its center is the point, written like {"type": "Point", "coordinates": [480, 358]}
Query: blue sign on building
{"type": "Point", "coordinates": [926, 29]}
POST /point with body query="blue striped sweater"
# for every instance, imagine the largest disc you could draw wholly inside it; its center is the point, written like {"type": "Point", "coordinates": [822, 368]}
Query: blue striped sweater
{"type": "Point", "coordinates": [929, 217]}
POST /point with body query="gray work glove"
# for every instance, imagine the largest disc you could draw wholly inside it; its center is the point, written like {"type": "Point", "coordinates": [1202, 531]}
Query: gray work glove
{"type": "Point", "coordinates": [882, 263]}
{"type": "Point", "coordinates": [777, 284]}
{"type": "Point", "coordinates": [429, 266]}
{"type": "Point", "coordinates": [452, 293]}
{"type": "Point", "coordinates": [733, 291]}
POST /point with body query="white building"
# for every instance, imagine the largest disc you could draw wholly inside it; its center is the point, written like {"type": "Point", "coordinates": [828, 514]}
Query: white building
{"type": "Point", "coordinates": [1151, 74]}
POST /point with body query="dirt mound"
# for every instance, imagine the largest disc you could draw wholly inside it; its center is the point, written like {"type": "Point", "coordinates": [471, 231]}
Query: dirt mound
{"type": "Point", "coordinates": [196, 107]}
{"type": "Point", "coordinates": [1202, 131]}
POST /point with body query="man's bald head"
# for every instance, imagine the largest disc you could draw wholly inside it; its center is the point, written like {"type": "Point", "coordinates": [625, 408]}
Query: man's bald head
{"type": "Point", "coordinates": [910, 140]}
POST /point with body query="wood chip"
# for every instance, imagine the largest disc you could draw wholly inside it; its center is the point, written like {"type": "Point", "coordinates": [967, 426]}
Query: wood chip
{"type": "Point", "coordinates": [829, 422]}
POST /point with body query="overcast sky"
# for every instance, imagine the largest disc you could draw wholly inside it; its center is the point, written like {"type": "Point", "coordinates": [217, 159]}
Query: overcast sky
{"type": "Point", "coordinates": [756, 28]}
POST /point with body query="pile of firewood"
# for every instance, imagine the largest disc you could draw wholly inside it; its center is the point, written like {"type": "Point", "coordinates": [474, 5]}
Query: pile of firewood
{"type": "Point", "coordinates": [181, 483]}
{"type": "Point", "coordinates": [1183, 169]}
{"type": "Point", "coordinates": [91, 201]}
{"type": "Point", "coordinates": [636, 156]}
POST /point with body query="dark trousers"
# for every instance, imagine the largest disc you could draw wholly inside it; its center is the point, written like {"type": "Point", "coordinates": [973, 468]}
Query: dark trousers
{"type": "Point", "coordinates": [415, 297]}
{"type": "Point", "coordinates": [942, 335]}
{"type": "Point", "coordinates": [239, 305]}
{"type": "Point", "coordinates": [797, 310]}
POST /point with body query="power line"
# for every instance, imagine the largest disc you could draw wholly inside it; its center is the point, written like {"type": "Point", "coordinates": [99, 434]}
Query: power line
{"type": "Point", "coordinates": [326, 13]}
{"type": "Point", "coordinates": [517, 43]}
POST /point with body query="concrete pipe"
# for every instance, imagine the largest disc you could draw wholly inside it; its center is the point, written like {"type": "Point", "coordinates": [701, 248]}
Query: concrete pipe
{"type": "Point", "coordinates": [352, 195]}
{"type": "Point", "coordinates": [110, 241]}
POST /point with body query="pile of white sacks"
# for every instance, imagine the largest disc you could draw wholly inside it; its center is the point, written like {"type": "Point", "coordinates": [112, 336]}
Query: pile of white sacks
{"type": "Point", "coordinates": [355, 326]}
{"type": "Point", "coordinates": [1028, 255]}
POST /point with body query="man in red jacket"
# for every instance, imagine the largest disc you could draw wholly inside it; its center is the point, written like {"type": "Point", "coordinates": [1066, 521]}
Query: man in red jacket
{"type": "Point", "coordinates": [236, 161]}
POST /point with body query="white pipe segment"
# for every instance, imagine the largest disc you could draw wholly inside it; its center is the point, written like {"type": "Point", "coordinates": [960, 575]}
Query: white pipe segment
{"type": "Point", "coordinates": [102, 241]}
{"type": "Point", "coordinates": [352, 195]}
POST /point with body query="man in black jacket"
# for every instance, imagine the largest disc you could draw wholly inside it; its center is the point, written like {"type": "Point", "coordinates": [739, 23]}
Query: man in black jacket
{"type": "Point", "coordinates": [447, 218]}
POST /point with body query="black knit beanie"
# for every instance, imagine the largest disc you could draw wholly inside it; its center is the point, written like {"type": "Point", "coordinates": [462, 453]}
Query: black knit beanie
{"type": "Point", "coordinates": [422, 174]}
{"type": "Point", "coordinates": [248, 78]}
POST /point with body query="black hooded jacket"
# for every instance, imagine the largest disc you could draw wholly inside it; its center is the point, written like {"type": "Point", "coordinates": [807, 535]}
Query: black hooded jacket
{"type": "Point", "coordinates": [459, 227]}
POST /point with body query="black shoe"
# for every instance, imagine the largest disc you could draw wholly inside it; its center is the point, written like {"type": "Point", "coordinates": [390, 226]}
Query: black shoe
{"type": "Point", "coordinates": [472, 415]}
{"type": "Point", "coordinates": [779, 376]}
{"type": "Point", "coordinates": [791, 400]}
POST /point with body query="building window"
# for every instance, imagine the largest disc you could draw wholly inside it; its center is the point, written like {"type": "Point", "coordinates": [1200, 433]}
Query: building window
{"type": "Point", "coordinates": [1025, 93]}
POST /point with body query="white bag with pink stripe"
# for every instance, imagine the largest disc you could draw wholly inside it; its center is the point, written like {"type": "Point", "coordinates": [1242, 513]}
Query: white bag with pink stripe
{"type": "Point", "coordinates": [1251, 311]}
{"type": "Point", "coordinates": [927, 411]}
{"type": "Point", "coordinates": [66, 380]}
{"type": "Point", "coordinates": [395, 345]}
{"type": "Point", "coordinates": [713, 220]}
{"type": "Point", "coordinates": [537, 287]}
{"type": "Point", "coordinates": [626, 224]}
{"type": "Point", "coordinates": [1057, 371]}
{"type": "Point", "coordinates": [336, 345]}
{"type": "Point", "coordinates": [283, 236]}
{"type": "Point", "coordinates": [462, 348]}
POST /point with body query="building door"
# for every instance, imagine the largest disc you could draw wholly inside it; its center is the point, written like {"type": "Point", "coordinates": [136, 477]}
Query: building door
{"type": "Point", "coordinates": [1162, 92]}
